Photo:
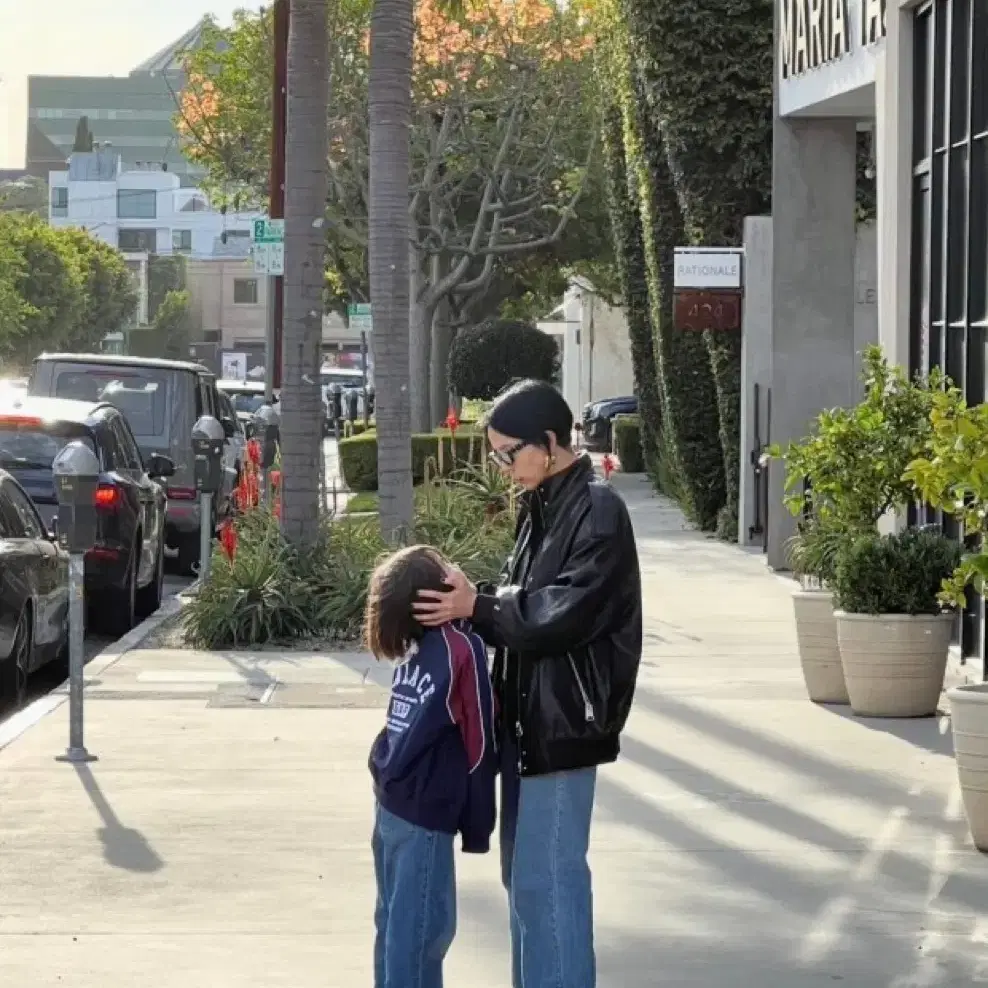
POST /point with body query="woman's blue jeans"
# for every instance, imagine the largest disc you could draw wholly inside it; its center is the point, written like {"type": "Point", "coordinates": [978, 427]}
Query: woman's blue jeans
{"type": "Point", "coordinates": [415, 916]}
{"type": "Point", "coordinates": [545, 833]}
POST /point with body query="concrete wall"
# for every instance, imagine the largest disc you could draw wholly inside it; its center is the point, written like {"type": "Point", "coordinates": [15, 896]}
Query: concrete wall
{"type": "Point", "coordinates": [757, 355]}
{"type": "Point", "coordinates": [814, 363]}
{"type": "Point", "coordinates": [211, 285]}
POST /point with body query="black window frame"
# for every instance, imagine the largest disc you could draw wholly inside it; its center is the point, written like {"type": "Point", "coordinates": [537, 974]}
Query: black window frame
{"type": "Point", "coordinates": [241, 283]}
{"type": "Point", "coordinates": [949, 251]}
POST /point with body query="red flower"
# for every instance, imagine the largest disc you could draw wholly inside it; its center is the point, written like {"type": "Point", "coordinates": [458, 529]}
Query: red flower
{"type": "Point", "coordinates": [275, 478]}
{"type": "Point", "coordinates": [228, 540]}
{"type": "Point", "coordinates": [253, 451]}
{"type": "Point", "coordinates": [609, 465]}
{"type": "Point", "coordinates": [452, 421]}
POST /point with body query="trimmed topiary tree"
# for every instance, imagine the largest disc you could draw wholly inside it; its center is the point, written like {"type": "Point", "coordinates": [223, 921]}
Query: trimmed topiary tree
{"type": "Point", "coordinates": [486, 358]}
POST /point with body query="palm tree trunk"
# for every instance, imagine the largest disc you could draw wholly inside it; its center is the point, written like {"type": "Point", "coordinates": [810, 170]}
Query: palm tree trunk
{"type": "Point", "coordinates": [390, 105]}
{"type": "Point", "coordinates": [305, 247]}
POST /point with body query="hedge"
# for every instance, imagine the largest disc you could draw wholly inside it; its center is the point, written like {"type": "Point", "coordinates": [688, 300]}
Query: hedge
{"type": "Point", "coordinates": [358, 456]}
{"type": "Point", "coordinates": [707, 70]}
{"type": "Point", "coordinates": [485, 358]}
{"type": "Point", "coordinates": [627, 443]}
{"type": "Point", "coordinates": [629, 252]}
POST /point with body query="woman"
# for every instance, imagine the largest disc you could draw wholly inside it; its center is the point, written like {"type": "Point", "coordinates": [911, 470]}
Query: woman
{"type": "Point", "coordinates": [566, 623]}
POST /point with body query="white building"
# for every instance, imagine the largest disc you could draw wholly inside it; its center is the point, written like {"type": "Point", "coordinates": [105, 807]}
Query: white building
{"type": "Point", "coordinates": [140, 211]}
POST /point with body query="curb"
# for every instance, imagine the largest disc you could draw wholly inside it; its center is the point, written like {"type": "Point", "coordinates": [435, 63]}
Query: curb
{"type": "Point", "coordinates": [24, 719]}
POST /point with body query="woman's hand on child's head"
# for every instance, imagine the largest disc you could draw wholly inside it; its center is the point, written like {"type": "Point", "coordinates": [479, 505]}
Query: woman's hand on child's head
{"type": "Point", "coordinates": [435, 607]}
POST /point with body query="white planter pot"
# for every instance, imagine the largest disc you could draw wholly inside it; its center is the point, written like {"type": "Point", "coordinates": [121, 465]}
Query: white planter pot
{"type": "Point", "coordinates": [816, 635]}
{"type": "Point", "coordinates": [894, 663]}
{"type": "Point", "coordinates": [969, 724]}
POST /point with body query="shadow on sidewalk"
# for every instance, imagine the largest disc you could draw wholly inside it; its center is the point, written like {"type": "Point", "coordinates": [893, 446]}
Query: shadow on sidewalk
{"type": "Point", "coordinates": [921, 732]}
{"type": "Point", "coordinates": [123, 847]}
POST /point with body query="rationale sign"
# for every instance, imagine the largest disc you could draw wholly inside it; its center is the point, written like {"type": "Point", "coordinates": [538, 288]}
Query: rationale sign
{"type": "Point", "coordinates": [813, 33]}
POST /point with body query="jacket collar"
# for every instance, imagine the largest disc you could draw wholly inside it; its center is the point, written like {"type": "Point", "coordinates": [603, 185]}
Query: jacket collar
{"type": "Point", "coordinates": [557, 490]}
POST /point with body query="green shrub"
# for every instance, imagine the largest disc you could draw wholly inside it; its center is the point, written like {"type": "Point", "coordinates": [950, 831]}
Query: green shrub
{"type": "Point", "coordinates": [627, 443]}
{"type": "Point", "coordinates": [358, 456]}
{"type": "Point", "coordinates": [486, 358]}
{"type": "Point", "coordinates": [270, 591]}
{"type": "Point", "coordinates": [894, 574]}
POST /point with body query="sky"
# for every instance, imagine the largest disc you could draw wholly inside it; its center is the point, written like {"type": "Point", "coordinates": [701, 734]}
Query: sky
{"type": "Point", "coordinates": [95, 37]}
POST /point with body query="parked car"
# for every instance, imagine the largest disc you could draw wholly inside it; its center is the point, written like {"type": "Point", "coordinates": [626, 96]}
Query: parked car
{"type": "Point", "coordinates": [161, 400]}
{"type": "Point", "coordinates": [125, 567]}
{"type": "Point", "coordinates": [34, 592]}
{"type": "Point", "coordinates": [247, 398]}
{"type": "Point", "coordinates": [237, 443]}
{"type": "Point", "coordinates": [598, 419]}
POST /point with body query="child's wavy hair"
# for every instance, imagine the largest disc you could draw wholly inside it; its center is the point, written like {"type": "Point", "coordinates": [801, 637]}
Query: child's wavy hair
{"type": "Point", "coordinates": [390, 627]}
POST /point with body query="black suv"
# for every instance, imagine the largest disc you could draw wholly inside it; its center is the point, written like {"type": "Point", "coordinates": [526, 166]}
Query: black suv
{"type": "Point", "coordinates": [125, 568]}
{"type": "Point", "coordinates": [598, 420]}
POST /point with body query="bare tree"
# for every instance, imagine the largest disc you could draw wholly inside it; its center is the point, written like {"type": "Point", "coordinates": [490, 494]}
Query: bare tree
{"type": "Point", "coordinates": [305, 248]}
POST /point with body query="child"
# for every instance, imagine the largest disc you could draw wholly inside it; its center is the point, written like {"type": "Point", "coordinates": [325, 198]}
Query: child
{"type": "Point", "coordinates": [434, 768]}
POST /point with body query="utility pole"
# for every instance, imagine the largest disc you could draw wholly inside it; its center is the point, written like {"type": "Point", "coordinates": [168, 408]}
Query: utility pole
{"type": "Point", "coordinates": [276, 194]}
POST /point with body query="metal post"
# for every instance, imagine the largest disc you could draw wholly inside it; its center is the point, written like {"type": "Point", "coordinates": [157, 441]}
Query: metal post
{"type": "Point", "coordinates": [276, 194]}
{"type": "Point", "coordinates": [205, 534]}
{"type": "Point", "coordinates": [76, 751]}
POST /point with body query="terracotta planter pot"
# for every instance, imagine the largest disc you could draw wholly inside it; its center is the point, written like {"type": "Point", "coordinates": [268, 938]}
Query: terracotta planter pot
{"type": "Point", "coordinates": [969, 724]}
{"type": "Point", "coordinates": [894, 663]}
{"type": "Point", "coordinates": [816, 634]}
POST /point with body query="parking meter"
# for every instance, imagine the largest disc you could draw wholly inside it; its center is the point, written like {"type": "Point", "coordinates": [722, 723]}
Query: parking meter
{"type": "Point", "coordinates": [267, 424]}
{"type": "Point", "coordinates": [76, 472]}
{"type": "Point", "coordinates": [207, 449]}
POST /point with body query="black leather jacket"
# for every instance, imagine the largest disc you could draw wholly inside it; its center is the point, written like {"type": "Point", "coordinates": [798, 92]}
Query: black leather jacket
{"type": "Point", "coordinates": [567, 624]}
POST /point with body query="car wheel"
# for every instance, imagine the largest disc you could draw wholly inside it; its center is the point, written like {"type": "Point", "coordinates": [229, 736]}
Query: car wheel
{"type": "Point", "coordinates": [119, 608]}
{"type": "Point", "coordinates": [149, 598]}
{"type": "Point", "coordinates": [15, 670]}
{"type": "Point", "coordinates": [188, 555]}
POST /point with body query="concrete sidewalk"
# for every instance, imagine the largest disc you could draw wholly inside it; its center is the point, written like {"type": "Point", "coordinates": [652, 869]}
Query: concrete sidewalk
{"type": "Point", "coordinates": [746, 837]}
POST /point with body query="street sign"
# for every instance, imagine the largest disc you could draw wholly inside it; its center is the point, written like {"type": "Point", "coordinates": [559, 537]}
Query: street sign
{"type": "Point", "coordinates": [269, 246]}
{"type": "Point", "coordinates": [360, 318]}
{"type": "Point", "coordinates": [708, 267]}
{"type": "Point", "coordinates": [269, 258]}
{"type": "Point", "coordinates": [269, 231]}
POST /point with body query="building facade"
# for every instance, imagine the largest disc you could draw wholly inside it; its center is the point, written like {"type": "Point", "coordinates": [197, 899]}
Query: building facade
{"type": "Point", "coordinates": [914, 73]}
{"type": "Point", "coordinates": [135, 113]}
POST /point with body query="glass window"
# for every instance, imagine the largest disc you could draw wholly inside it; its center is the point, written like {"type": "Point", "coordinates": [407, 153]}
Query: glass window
{"type": "Point", "coordinates": [245, 291]}
{"type": "Point", "coordinates": [59, 197]}
{"type": "Point", "coordinates": [182, 241]}
{"type": "Point", "coordinates": [130, 455]}
{"type": "Point", "coordinates": [139, 392]}
{"type": "Point", "coordinates": [25, 512]}
{"type": "Point", "coordinates": [145, 241]}
{"type": "Point", "coordinates": [33, 448]}
{"type": "Point", "coordinates": [137, 204]}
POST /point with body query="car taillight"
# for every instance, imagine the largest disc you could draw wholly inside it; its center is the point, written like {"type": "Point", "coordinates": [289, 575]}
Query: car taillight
{"type": "Point", "coordinates": [107, 498]}
{"type": "Point", "coordinates": [181, 493]}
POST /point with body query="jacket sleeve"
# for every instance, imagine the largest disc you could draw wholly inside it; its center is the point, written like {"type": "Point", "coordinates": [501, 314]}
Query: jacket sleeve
{"type": "Point", "coordinates": [473, 712]}
{"type": "Point", "coordinates": [580, 605]}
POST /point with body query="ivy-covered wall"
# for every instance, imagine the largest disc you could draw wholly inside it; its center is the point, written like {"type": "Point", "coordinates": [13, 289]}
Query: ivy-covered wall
{"type": "Point", "coordinates": [705, 70]}
{"type": "Point", "coordinates": [632, 274]}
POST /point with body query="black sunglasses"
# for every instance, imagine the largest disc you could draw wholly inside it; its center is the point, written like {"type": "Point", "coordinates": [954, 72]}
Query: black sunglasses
{"type": "Point", "coordinates": [506, 457]}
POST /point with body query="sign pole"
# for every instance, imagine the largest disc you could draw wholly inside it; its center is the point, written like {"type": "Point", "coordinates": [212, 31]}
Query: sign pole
{"type": "Point", "coordinates": [276, 195]}
{"type": "Point", "coordinates": [76, 752]}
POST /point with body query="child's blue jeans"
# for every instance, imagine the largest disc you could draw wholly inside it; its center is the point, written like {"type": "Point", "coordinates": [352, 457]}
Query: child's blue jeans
{"type": "Point", "coordinates": [415, 916]}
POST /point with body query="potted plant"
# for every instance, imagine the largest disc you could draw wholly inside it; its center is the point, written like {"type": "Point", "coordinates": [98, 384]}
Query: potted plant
{"type": "Point", "coordinates": [841, 480]}
{"type": "Point", "coordinates": [892, 628]}
{"type": "Point", "coordinates": [812, 552]}
{"type": "Point", "coordinates": [952, 475]}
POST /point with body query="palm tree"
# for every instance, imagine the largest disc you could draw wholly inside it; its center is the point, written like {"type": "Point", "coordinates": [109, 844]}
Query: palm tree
{"type": "Point", "coordinates": [305, 247]}
{"type": "Point", "coordinates": [390, 106]}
